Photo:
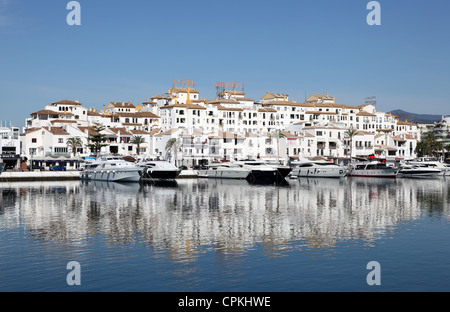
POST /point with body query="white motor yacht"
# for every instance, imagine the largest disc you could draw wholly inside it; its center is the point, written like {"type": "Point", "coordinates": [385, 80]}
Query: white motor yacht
{"type": "Point", "coordinates": [112, 169]}
{"type": "Point", "coordinates": [283, 171]}
{"type": "Point", "coordinates": [318, 169]}
{"type": "Point", "coordinates": [259, 171]}
{"type": "Point", "coordinates": [373, 169]}
{"type": "Point", "coordinates": [444, 170]}
{"type": "Point", "coordinates": [158, 170]}
{"type": "Point", "coordinates": [224, 171]}
{"type": "Point", "coordinates": [416, 171]}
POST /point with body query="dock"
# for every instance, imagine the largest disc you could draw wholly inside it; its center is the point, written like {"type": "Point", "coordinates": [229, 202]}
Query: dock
{"type": "Point", "coordinates": [16, 176]}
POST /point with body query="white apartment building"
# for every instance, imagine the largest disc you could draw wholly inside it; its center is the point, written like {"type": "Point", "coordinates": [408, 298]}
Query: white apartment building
{"type": "Point", "coordinates": [228, 127]}
{"type": "Point", "coordinates": [10, 147]}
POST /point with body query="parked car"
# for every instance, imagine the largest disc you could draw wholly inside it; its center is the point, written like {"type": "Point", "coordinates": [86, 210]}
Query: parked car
{"type": "Point", "coordinates": [58, 168]}
{"type": "Point", "coordinates": [183, 167]}
{"type": "Point", "coordinates": [36, 168]}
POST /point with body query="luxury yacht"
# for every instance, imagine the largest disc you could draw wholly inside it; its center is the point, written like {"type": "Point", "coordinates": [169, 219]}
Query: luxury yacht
{"type": "Point", "coordinates": [373, 169]}
{"type": "Point", "coordinates": [318, 169]}
{"type": "Point", "coordinates": [443, 168]}
{"type": "Point", "coordinates": [224, 171]}
{"type": "Point", "coordinates": [259, 171]}
{"type": "Point", "coordinates": [158, 170]}
{"type": "Point", "coordinates": [112, 169]}
{"type": "Point", "coordinates": [416, 171]}
{"type": "Point", "coordinates": [283, 171]}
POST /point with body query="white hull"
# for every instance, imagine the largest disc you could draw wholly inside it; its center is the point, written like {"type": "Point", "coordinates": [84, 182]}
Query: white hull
{"type": "Point", "coordinates": [224, 174]}
{"type": "Point", "coordinates": [376, 173]}
{"type": "Point", "coordinates": [319, 172]}
{"type": "Point", "coordinates": [124, 175]}
{"type": "Point", "coordinates": [444, 170]}
{"type": "Point", "coordinates": [374, 170]}
{"type": "Point", "coordinates": [419, 172]}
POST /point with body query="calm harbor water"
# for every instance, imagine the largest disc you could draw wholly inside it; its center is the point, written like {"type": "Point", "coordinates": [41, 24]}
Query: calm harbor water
{"type": "Point", "coordinates": [220, 235]}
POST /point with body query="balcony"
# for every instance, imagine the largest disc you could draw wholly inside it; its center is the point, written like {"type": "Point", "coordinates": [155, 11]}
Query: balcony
{"type": "Point", "coordinates": [58, 154]}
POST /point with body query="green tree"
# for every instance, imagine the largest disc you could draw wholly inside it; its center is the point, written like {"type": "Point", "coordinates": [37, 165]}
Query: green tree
{"type": "Point", "coordinates": [138, 140]}
{"type": "Point", "coordinates": [96, 139]}
{"type": "Point", "coordinates": [73, 143]}
{"type": "Point", "coordinates": [429, 145]}
{"type": "Point", "coordinates": [350, 134]}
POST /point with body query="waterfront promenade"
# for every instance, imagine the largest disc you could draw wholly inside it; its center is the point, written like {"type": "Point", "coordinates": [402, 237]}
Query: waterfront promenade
{"type": "Point", "coordinates": [16, 176]}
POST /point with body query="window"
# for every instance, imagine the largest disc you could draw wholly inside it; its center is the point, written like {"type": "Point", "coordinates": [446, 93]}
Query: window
{"type": "Point", "coordinates": [60, 140]}
{"type": "Point", "coordinates": [33, 140]}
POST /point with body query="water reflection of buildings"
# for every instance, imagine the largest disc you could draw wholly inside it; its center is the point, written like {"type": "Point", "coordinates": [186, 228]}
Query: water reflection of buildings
{"type": "Point", "coordinates": [229, 217]}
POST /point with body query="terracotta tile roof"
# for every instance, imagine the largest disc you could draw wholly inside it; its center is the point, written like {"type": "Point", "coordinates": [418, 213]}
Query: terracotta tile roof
{"type": "Point", "coordinates": [187, 106]}
{"type": "Point", "coordinates": [139, 132]}
{"type": "Point", "coordinates": [267, 110]}
{"type": "Point", "coordinates": [90, 130]}
{"type": "Point", "coordinates": [158, 96]}
{"type": "Point", "coordinates": [365, 114]}
{"type": "Point", "coordinates": [64, 121]}
{"type": "Point", "coordinates": [155, 131]}
{"type": "Point", "coordinates": [45, 112]}
{"type": "Point", "coordinates": [67, 102]}
{"type": "Point", "coordinates": [56, 130]}
{"type": "Point", "coordinates": [123, 131]}
{"type": "Point", "coordinates": [121, 105]}
{"type": "Point", "coordinates": [137, 115]}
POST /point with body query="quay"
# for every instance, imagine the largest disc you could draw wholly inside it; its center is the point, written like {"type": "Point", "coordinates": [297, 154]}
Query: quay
{"type": "Point", "coordinates": [16, 176]}
{"type": "Point", "coordinates": [29, 176]}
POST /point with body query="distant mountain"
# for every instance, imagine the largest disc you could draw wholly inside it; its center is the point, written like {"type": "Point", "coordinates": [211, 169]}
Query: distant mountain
{"type": "Point", "coordinates": [420, 118]}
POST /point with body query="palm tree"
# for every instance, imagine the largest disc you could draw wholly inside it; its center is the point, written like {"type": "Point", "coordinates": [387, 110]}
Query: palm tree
{"type": "Point", "coordinates": [350, 134]}
{"type": "Point", "coordinates": [73, 143]}
{"type": "Point", "coordinates": [138, 140]}
{"type": "Point", "coordinates": [277, 134]}
{"type": "Point", "coordinates": [429, 145]}
{"type": "Point", "coordinates": [173, 145]}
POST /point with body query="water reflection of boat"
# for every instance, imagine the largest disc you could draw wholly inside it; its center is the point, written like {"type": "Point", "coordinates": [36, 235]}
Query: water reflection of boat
{"type": "Point", "coordinates": [160, 183]}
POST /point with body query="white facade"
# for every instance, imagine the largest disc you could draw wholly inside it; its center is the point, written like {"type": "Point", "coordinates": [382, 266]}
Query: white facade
{"type": "Point", "coordinates": [10, 147]}
{"type": "Point", "coordinates": [230, 127]}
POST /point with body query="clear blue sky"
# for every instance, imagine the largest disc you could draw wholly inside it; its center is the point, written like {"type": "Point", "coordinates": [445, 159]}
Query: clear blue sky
{"type": "Point", "coordinates": [132, 50]}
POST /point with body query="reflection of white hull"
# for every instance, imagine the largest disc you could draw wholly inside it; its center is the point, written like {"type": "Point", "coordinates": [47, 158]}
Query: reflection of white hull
{"type": "Point", "coordinates": [224, 174]}
{"type": "Point", "coordinates": [122, 175]}
{"type": "Point", "coordinates": [319, 172]}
